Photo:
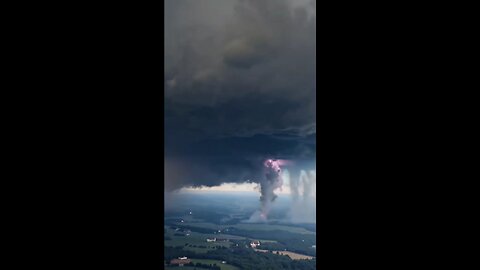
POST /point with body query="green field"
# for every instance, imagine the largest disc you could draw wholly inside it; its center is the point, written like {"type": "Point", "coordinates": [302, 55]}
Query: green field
{"type": "Point", "coordinates": [196, 239]}
{"type": "Point", "coordinates": [226, 236]}
{"type": "Point", "coordinates": [246, 226]}
{"type": "Point", "coordinates": [198, 249]}
{"type": "Point", "coordinates": [219, 263]}
{"type": "Point", "coordinates": [267, 241]}
{"type": "Point", "coordinates": [201, 246]}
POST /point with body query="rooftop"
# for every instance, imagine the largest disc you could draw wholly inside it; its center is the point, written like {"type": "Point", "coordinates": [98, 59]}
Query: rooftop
{"type": "Point", "coordinates": [177, 261]}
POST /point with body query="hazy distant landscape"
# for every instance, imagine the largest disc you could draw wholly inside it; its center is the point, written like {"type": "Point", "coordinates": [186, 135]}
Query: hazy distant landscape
{"type": "Point", "coordinates": [198, 217]}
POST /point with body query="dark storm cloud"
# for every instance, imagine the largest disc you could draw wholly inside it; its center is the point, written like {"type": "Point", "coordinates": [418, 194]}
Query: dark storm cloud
{"type": "Point", "coordinates": [233, 159]}
{"type": "Point", "coordinates": [239, 87]}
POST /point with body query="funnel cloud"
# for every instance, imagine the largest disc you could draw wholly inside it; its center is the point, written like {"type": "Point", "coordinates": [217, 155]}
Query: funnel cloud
{"type": "Point", "coordinates": [271, 182]}
{"type": "Point", "coordinates": [302, 189]}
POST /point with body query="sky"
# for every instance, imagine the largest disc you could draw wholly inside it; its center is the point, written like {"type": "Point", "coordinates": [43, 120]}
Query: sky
{"type": "Point", "coordinates": [240, 87]}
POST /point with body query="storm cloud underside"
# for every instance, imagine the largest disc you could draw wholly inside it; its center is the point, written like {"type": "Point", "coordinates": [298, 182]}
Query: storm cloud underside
{"type": "Point", "coordinates": [239, 88]}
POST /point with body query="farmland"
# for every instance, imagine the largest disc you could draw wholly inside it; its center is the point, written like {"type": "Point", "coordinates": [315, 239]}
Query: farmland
{"type": "Point", "coordinates": [247, 227]}
{"type": "Point", "coordinates": [217, 262]}
{"type": "Point", "coordinates": [285, 245]}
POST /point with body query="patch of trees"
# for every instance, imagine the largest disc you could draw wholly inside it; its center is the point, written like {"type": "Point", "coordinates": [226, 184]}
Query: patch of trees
{"type": "Point", "coordinates": [249, 259]}
{"type": "Point", "coordinates": [210, 216]}
{"type": "Point", "coordinates": [273, 246]}
{"type": "Point", "coordinates": [291, 245]}
{"type": "Point", "coordinates": [307, 226]}
{"type": "Point", "coordinates": [199, 265]}
{"type": "Point", "coordinates": [170, 253]}
{"type": "Point", "coordinates": [245, 259]}
{"type": "Point", "coordinates": [207, 266]}
{"type": "Point", "coordinates": [196, 229]}
{"type": "Point", "coordinates": [286, 240]}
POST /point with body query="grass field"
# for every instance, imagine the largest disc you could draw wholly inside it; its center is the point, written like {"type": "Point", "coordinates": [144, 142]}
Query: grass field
{"type": "Point", "coordinates": [226, 236]}
{"type": "Point", "coordinates": [219, 263]}
{"type": "Point", "coordinates": [292, 255]}
{"type": "Point", "coordinates": [199, 250]}
{"type": "Point", "coordinates": [296, 256]}
{"type": "Point", "coordinates": [251, 227]}
{"type": "Point", "coordinates": [197, 239]}
{"type": "Point", "coordinates": [267, 241]}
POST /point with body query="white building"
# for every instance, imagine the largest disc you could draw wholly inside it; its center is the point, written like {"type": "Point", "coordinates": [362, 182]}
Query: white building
{"type": "Point", "coordinates": [255, 244]}
{"type": "Point", "coordinates": [211, 240]}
